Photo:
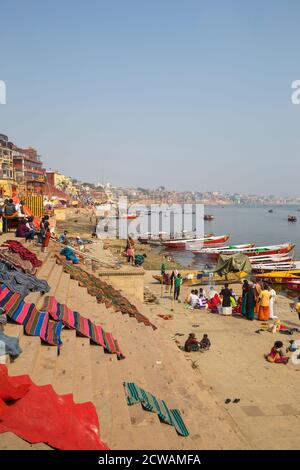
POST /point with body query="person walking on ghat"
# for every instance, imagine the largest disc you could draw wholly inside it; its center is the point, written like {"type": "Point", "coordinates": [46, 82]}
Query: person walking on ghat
{"type": "Point", "coordinates": [45, 233]}
{"type": "Point", "coordinates": [172, 277]}
{"type": "Point", "coordinates": [177, 285]}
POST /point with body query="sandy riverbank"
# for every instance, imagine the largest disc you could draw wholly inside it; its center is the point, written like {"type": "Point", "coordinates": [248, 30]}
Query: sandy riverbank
{"type": "Point", "coordinates": [268, 412]}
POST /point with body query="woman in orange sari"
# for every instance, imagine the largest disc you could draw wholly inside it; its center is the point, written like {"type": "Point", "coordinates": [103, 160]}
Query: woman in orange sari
{"type": "Point", "coordinates": [264, 304]}
{"type": "Point", "coordinates": [258, 290]}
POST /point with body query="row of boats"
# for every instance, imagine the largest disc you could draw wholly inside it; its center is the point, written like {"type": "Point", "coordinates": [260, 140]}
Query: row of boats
{"type": "Point", "coordinates": [270, 263]}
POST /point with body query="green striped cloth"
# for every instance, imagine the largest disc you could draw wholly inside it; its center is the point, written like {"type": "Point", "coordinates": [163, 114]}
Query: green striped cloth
{"type": "Point", "coordinates": [135, 394]}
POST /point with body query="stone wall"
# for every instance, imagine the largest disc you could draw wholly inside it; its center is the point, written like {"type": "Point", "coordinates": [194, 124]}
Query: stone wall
{"type": "Point", "coordinates": [130, 282]}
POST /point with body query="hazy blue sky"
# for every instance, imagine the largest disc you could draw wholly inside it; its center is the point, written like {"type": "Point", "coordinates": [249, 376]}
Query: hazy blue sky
{"type": "Point", "coordinates": [189, 94]}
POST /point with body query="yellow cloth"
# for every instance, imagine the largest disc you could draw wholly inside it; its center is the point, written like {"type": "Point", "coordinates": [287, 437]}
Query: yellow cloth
{"type": "Point", "coordinates": [264, 298]}
{"type": "Point", "coordinates": [298, 307]}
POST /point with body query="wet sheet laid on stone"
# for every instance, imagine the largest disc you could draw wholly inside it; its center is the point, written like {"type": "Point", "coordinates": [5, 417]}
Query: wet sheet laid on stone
{"type": "Point", "coordinates": [36, 323]}
{"type": "Point", "coordinates": [84, 326]}
{"type": "Point", "coordinates": [106, 293]}
{"type": "Point", "coordinates": [22, 283]}
{"type": "Point", "coordinates": [135, 394]}
{"type": "Point", "coordinates": [38, 414]}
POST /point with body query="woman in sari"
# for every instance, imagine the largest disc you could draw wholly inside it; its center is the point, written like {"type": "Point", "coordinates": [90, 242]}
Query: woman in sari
{"type": "Point", "coordinates": [248, 302]}
{"type": "Point", "coordinates": [264, 304]}
{"type": "Point", "coordinates": [257, 292]}
{"type": "Point", "coordinates": [277, 354]}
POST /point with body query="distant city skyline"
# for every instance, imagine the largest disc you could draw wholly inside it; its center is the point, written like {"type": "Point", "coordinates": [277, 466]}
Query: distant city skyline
{"type": "Point", "coordinates": [191, 95]}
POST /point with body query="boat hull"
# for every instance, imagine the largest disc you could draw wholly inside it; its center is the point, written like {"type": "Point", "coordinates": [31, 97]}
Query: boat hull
{"type": "Point", "coordinates": [251, 253]}
{"type": "Point", "coordinates": [211, 241]}
{"type": "Point", "coordinates": [279, 277]}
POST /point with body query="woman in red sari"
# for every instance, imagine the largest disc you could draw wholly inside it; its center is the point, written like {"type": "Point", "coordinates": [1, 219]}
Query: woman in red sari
{"type": "Point", "coordinates": [277, 354]}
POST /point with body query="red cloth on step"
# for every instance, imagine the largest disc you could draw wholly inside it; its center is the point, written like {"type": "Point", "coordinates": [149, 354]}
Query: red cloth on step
{"type": "Point", "coordinates": [41, 415]}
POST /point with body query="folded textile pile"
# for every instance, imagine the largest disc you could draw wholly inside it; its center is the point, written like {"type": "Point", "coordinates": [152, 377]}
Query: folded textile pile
{"type": "Point", "coordinates": [14, 260]}
{"type": "Point", "coordinates": [21, 283]}
{"type": "Point", "coordinates": [9, 345]}
{"type": "Point", "coordinates": [25, 254]}
{"type": "Point", "coordinates": [38, 414]}
{"type": "Point", "coordinates": [135, 394]}
{"type": "Point", "coordinates": [82, 325]}
{"type": "Point", "coordinates": [106, 293]}
{"type": "Point", "coordinates": [36, 323]}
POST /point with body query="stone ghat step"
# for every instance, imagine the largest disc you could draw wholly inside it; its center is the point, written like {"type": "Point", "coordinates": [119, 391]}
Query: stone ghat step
{"type": "Point", "coordinates": [92, 375]}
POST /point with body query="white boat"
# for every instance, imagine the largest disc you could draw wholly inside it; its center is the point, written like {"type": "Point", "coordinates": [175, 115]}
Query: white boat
{"type": "Point", "coordinates": [280, 258]}
{"type": "Point", "coordinates": [193, 246]}
{"type": "Point", "coordinates": [280, 266]}
{"type": "Point", "coordinates": [251, 252]}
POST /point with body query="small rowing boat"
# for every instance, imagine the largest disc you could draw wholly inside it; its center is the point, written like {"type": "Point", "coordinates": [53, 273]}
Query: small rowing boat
{"type": "Point", "coordinates": [206, 241]}
{"type": "Point", "coordinates": [279, 277]}
{"type": "Point", "coordinates": [208, 217]}
{"type": "Point", "coordinates": [280, 258]}
{"type": "Point", "coordinates": [294, 285]}
{"type": "Point", "coordinates": [250, 252]}
{"type": "Point", "coordinates": [280, 266]}
{"type": "Point", "coordinates": [220, 249]}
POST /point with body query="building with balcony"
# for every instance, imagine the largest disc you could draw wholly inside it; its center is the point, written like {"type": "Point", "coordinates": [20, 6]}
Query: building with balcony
{"type": "Point", "coordinates": [29, 172]}
{"type": "Point", "coordinates": [8, 186]}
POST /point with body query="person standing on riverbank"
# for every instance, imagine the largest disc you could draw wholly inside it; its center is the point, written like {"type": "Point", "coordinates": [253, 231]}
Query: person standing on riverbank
{"type": "Point", "coordinates": [226, 300]}
{"type": "Point", "coordinates": [272, 301]}
{"type": "Point", "coordinates": [264, 304]}
{"type": "Point", "coordinates": [248, 305]}
{"type": "Point", "coordinates": [177, 286]}
{"type": "Point", "coordinates": [45, 233]}
{"type": "Point", "coordinates": [130, 250]}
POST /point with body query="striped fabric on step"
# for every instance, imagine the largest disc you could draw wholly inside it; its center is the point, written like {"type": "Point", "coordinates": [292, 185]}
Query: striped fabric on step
{"type": "Point", "coordinates": [135, 394]}
{"type": "Point", "coordinates": [84, 326]}
{"type": "Point", "coordinates": [36, 323]}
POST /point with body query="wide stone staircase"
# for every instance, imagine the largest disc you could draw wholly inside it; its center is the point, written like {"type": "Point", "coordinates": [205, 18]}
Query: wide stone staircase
{"type": "Point", "coordinates": [152, 360]}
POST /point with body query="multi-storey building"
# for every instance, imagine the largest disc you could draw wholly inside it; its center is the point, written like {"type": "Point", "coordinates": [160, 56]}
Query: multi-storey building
{"type": "Point", "coordinates": [29, 172]}
{"type": "Point", "coordinates": [8, 185]}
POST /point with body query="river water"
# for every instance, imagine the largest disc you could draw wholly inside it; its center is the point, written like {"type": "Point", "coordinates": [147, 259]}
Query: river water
{"type": "Point", "coordinates": [248, 225]}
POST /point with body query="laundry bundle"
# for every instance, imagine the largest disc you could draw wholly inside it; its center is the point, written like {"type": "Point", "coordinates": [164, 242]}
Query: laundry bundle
{"type": "Point", "coordinates": [25, 254]}
{"type": "Point", "coordinates": [22, 283]}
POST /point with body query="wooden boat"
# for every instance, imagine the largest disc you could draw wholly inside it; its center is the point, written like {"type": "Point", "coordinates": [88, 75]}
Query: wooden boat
{"type": "Point", "coordinates": [279, 277]}
{"type": "Point", "coordinates": [123, 216]}
{"type": "Point", "coordinates": [206, 241]}
{"type": "Point", "coordinates": [251, 252]}
{"type": "Point", "coordinates": [220, 249]}
{"type": "Point", "coordinates": [209, 217]}
{"type": "Point", "coordinates": [203, 278]}
{"type": "Point", "coordinates": [266, 259]}
{"type": "Point", "coordinates": [271, 211]}
{"type": "Point", "coordinates": [294, 285]}
{"type": "Point", "coordinates": [280, 266]}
